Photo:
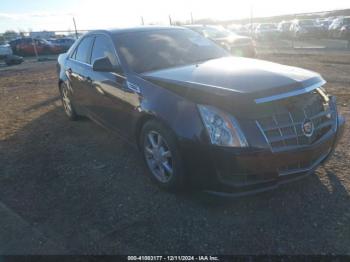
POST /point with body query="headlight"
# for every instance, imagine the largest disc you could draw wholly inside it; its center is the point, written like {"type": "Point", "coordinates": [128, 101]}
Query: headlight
{"type": "Point", "coordinates": [223, 129]}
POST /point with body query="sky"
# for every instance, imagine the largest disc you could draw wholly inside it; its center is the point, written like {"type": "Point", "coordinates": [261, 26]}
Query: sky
{"type": "Point", "coordinates": [94, 14]}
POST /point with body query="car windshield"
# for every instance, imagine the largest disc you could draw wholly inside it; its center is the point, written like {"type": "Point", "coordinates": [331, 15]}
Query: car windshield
{"type": "Point", "coordinates": [159, 49]}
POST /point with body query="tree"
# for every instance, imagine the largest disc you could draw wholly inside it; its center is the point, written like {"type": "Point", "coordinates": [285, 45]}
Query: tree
{"type": "Point", "coordinates": [9, 35]}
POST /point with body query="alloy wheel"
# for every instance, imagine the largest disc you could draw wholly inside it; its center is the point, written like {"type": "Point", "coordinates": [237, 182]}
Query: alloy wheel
{"type": "Point", "coordinates": [158, 156]}
{"type": "Point", "coordinates": [66, 101]}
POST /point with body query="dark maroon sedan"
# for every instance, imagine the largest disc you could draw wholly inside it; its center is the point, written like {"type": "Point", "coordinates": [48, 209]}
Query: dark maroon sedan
{"type": "Point", "coordinates": [200, 116]}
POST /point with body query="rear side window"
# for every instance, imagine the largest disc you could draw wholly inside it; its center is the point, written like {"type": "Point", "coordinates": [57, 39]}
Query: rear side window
{"type": "Point", "coordinates": [83, 52]}
{"type": "Point", "coordinates": [103, 47]}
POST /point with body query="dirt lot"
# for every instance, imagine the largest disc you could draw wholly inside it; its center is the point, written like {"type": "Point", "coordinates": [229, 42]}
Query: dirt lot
{"type": "Point", "coordinates": [73, 187]}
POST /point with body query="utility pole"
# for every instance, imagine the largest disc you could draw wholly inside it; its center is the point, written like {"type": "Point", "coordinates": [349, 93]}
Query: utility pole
{"type": "Point", "coordinates": [191, 18]}
{"type": "Point", "coordinates": [251, 20]}
{"type": "Point", "coordinates": [35, 50]}
{"type": "Point", "coordinates": [142, 22]}
{"type": "Point", "coordinates": [75, 27]}
{"type": "Point", "coordinates": [170, 20]}
{"type": "Point", "coordinates": [293, 35]}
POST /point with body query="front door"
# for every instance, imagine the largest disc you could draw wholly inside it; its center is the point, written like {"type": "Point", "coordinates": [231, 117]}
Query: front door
{"type": "Point", "coordinates": [112, 101]}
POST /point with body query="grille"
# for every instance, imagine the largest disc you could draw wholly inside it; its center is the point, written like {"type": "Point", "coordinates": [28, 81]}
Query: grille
{"type": "Point", "coordinates": [302, 166]}
{"type": "Point", "coordinates": [282, 127]}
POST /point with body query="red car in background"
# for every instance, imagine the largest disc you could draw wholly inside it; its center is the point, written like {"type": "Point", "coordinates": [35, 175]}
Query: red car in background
{"type": "Point", "coordinates": [29, 47]}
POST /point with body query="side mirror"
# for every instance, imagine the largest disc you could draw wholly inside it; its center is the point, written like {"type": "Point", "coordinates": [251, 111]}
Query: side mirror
{"type": "Point", "coordinates": [104, 65]}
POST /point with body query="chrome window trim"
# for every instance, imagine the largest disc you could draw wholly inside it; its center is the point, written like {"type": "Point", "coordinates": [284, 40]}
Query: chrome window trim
{"type": "Point", "coordinates": [80, 62]}
{"type": "Point", "coordinates": [77, 46]}
{"type": "Point", "coordinates": [94, 35]}
{"type": "Point", "coordinates": [111, 42]}
{"type": "Point", "coordinates": [289, 94]}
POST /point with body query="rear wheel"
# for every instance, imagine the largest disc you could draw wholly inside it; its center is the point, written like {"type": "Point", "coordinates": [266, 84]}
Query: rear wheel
{"type": "Point", "coordinates": [67, 103]}
{"type": "Point", "coordinates": [162, 156]}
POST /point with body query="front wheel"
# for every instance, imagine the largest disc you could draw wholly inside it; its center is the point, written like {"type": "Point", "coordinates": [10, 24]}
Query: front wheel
{"type": "Point", "coordinates": [162, 156]}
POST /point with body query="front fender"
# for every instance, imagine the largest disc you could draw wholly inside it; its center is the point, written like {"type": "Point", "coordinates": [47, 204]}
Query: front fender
{"type": "Point", "coordinates": [174, 111]}
{"type": "Point", "coordinates": [60, 67]}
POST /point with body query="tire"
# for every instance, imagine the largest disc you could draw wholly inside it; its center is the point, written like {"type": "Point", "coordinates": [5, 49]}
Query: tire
{"type": "Point", "coordinates": [167, 156]}
{"type": "Point", "coordinates": [67, 102]}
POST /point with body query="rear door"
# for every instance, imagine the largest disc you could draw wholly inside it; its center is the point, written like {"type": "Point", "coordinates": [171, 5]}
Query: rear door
{"type": "Point", "coordinates": [77, 70]}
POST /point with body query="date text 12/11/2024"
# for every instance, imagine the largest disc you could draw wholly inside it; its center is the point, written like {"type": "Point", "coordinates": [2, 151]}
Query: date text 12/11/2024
{"type": "Point", "coordinates": [173, 258]}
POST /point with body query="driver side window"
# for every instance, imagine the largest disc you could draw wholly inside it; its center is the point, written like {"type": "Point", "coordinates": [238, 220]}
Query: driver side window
{"type": "Point", "coordinates": [103, 48]}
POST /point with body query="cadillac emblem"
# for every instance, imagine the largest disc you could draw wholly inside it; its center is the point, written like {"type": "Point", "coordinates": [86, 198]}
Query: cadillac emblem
{"type": "Point", "coordinates": [307, 127]}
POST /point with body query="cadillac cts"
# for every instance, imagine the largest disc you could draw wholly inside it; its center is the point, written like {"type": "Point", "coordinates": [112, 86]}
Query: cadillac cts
{"type": "Point", "coordinates": [199, 116]}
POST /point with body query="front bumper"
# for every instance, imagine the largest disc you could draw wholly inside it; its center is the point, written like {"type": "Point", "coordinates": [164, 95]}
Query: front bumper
{"type": "Point", "coordinates": [235, 172]}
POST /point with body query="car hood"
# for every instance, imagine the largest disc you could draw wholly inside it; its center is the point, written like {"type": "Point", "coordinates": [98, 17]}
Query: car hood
{"type": "Point", "coordinates": [233, 79]}
{"type": "Point", "coordinates": [238, 75]}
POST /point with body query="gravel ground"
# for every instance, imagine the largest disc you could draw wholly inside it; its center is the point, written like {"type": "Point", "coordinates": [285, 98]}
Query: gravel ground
{"type": "Point", "coordinates": [75, 188]}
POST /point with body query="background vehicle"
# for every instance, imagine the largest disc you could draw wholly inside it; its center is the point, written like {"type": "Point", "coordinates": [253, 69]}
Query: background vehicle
{"type": "Point", "coordinates": [29, 47]}
{"type": "Point", "coordinates": [65, 42]}
{"type": "Point", "coordinates": [345, 32]}
{"type": "Point", "coordinates": [236, 44]}
{"type": "Point", "coordinates": [284, 29]}
{"type": "Point", "coordinates": [266, 31]}
{"type": "Point", "coordinates": [7, 55]}
{"type": "Point", "coordinates": [237, 28]}
{"type": "Point", "coordinates": [325, 23]}
{"type": "Point", "coordinates": [305, 28]}
{"type": "Point", "coordinates": [199, 115]}
{"type": "Point", "coordinates": [5, 50]}
{"type": "Point", "coordinates": [335, 29]}
{"type": "Point", "coordinates": [13, 60]}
